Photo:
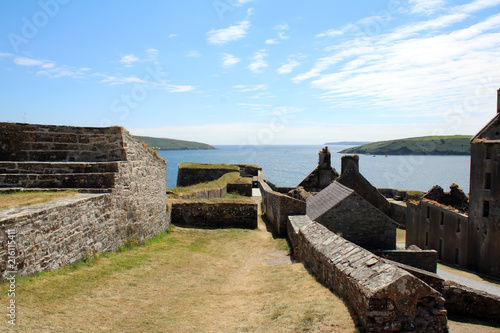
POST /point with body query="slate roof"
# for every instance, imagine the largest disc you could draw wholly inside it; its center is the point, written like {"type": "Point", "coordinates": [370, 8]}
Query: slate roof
{"type": "Point", "coordinates": [330, 197]}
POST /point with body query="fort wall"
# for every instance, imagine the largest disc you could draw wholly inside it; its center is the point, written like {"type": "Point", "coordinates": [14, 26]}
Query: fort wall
{"type": "Point", "coordinates": [188, 176]}
{"type": "Point", "coordinates": [277, 207]}
{"type": "Point", "coordinates": [385, 297]}
{"type": "Point", "coordinates": [204, 214]}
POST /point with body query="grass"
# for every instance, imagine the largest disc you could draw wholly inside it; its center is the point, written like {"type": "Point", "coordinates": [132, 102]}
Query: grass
{"type": "Point", "coordinates": [229, 177]}
{"type": "Point", "coordinates": [192, 165]}
{"type": "Point", "coordinates": [172, 144]}
{"type": "Point", "coordinates": [188, 280]}
{"type": "Point", "coordinates": [26, 198]}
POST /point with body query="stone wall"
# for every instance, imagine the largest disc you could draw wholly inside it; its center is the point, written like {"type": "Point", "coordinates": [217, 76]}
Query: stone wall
{"type": "Point", "coordinates": [60, 232]}
{"type": "Point", "coordinates": [277, 207]}
{"type": "Point", "coordinates": [249, 170]}
{"type": "Point", "coordinates": [385, 298]}
{"type": "Point", "coordinates": [204, 194]}
{"type": "Point", "coordinates": [398, 212]}
{"type": "Point", "coordinates": [241, 189]}
{"type": "Point", "coordinates": [204, 214]}
{"type": "Point", "coordinates": [423, 259]}
{"type": "Point", "coordinates": [26, 142]}
{"type": "Point", "coordinates": [430, 225]}
{"type": "Point", "coordinates": [192, 176]}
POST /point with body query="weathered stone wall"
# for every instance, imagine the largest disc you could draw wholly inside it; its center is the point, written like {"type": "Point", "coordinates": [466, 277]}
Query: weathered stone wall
{"type": "Point", "coordinates": [422, 259]}
{"type": "Point", "coordinates": [385, 298]}
{"type": "Point", "coordinates": [60, 232]}
{"type": "Point", "coordinates": [249, 170]}
{"type": "Point", "coordinates": [277, 207]}
{"type": "Point", "coordinates": [433, 226]}
{"type": "Point", "coordinates": [241, 189]}
{"type": "Point", "coordinates": [398, 212]}
{"type": "Point", "coordinates": [193, 176]}
{"type": "Point", "coordinates": [26, 142]}
{"type": "Point", "coordinates": [215, 215]}
{"type": "Point", "coordinates": [205, 194]}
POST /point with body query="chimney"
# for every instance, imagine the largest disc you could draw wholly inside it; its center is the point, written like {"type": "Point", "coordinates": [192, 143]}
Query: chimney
{"type": "Point", "coordinates": [350, 163]}
{"type": "Point", "coordinates": [498, 101]}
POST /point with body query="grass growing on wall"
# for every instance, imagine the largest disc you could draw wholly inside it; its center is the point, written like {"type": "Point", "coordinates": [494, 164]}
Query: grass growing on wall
{"type": "Point", "coordinates": [219, 183]}
{"type": "Point", "coordinates": [191, 165]}
{"type": "Point", "coordinates": [26, 198]}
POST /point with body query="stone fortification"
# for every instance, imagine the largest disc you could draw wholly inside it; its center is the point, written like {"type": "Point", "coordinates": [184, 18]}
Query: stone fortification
{"type": "Point", "coordinates": [277, 207]}
{"type": "Point", "coordinates": [96, 159]}
{"type": "Point", "coordinates": [385, 298]}
{"type": "Point", "coordinates": [203, 214]}
{"type": "Point", "coordinates": [191, 175]}
{"type": "Point", "coordinates": [413, 256]}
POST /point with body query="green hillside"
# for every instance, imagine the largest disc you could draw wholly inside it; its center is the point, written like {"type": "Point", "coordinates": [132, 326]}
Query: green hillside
{"type": "Point", "coordinates": [426, 145]}
{"type": "Point", "coordinates": [171, 144]}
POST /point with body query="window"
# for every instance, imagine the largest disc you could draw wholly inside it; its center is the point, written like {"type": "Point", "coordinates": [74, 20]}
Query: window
{"type": "Point", "coordinates": [488, 152]}
{"type": "Point", "coordinates": [487, 181]}
{"type": "Point", "coordinates": [440, 253]}
{"type": "Point", "coordinates": [426, 239]}
{"type": "Point", "coordinates": [459, 225]}
{"type": "Point", "coordinates": [428, 214]}
{"type": "Point", "coordinates": [486, 208]}
{"type": "Point", "coordinates": [441, 222]}
{"type": "Point", "coordinates": [457, 256]}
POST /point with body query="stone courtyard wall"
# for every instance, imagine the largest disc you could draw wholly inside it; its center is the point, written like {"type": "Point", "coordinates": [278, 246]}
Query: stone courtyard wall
{"type": "Point", "coordinates": [204, 214]}
{"type": "Point", "coordinates": [385, 298]}
{"type": "Point", "coordinates": [277, 207]}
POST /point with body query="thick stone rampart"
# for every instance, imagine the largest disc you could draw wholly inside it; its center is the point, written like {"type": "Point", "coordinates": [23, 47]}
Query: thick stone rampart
{"type": "Point", "coordinates": [192, 176]}
{"type": "Point", "coordinates": [277, 207]}
{"type": "Point", "coordinates": [385, 297]}
{"type": "Point", "coordinates": [203, 214]}
{"type": "Point", "coordinates": [27, 142]}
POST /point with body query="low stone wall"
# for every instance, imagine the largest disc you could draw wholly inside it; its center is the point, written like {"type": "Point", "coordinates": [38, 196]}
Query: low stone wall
{"type": "Point", "coordinates": [215, 215]}
{"type": "Point", "coordinates": [468, 302]}
{"type": "Point", "coordinates": [385, 298]}
{"type": "Point", "coordinates": [193, 176]}
{"type": "Point", "coordinates": [423, 259]}
{"type": "Point", "coordinates": [277, 207]}
{"type": "Point", "coordinates": [205, 194]}
{"type": "Point", "coordinates": [249, 170]}
{"type": "Point", "coordinates": [75, 180]}
{"type": "Point", "coordinates": [398, 212]}
{"type": "Point", "coordinates": [241, 189]}
{"type": "Point", "coordinates": [60, 232]}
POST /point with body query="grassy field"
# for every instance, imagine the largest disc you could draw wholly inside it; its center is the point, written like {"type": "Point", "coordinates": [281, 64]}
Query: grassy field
{"type": "Point", "coordinates": [186, 281]}
{"type": "Point", "coordinates": [428, 145]}
{"type": "Point", "coordinates": [172, 144]}
{"type": "Point", "coordinates": [25, 198]}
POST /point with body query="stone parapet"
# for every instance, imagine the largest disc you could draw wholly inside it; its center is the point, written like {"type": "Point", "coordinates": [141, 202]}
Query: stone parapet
{"type": "Point", "coordinates": [385, 298]}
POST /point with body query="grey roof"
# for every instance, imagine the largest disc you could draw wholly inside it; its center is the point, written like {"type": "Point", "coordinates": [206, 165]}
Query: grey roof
{"type": "Point", "coordinates": [330, 197]}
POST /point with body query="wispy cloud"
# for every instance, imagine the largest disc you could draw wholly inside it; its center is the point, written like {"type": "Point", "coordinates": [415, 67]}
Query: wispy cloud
{"type": "Point", "coordinates": [128, 60]}
{"type": "Point", "coordinates": [152, 53]}
{"type": "Point", "coordinates": [28, 61]}
{"type": "Point", "coordinates": [229, 60]}
{"type": "Point", "coordinates": [288, 67]}
{"type": "Point", "coordinates": [194, 54]}
{"type": "Point", "coordinates": [258, 64]}
{"type": "Point", "coordinates": [118, 80]}
{"type": "Point", "coordinates": [230, 34]}
{"type": "Point", "coordinates": [426, 6]}
{"type": "Point", "coordinates": [271, 41]}
{"type": "Point", "coordinates": [245, 88]}
{"type": "Point", "coordinates": [5, 55]}
{"type": "Point", "coordinates": [178, 89]}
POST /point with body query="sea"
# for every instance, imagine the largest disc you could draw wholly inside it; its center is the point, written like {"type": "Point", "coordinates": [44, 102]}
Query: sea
{"type": "Point", "coordinates": [289, 165]}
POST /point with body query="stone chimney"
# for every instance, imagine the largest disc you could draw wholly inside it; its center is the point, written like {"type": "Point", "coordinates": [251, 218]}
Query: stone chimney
{"type": "Point", "coordinates": [498, 101]}
{"type": "Point", "coordinates": [350, 162]}
{"type": "Point", "coordinates": [324, 159]}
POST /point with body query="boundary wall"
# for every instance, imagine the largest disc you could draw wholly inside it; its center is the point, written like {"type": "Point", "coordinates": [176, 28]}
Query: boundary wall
{"type": "Point", "coordinates": [385, 297]}
{"type": "Point", "coordinates": [277, 207]}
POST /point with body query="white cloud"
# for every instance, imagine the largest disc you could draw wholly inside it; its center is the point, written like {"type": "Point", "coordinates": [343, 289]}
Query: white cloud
{"type": "Point", "coordinates": [230, 34]}
{"type": "Point", "coordinates": [176, 89]}
{"type": "Point", "coordinates": [128, 60]}
{"type": "Point", "coordinates": [258, 64]}
{"type": "Point", "coordinates": [5, 55]}
{"type": "Point", "coordinates": [118, 80]}
{"type": "Point", "coordinates": [282, 27]}
{"type": "Point", "coordinates": [172, 35]}
{"type": "Point", "coordinates": [229, 60]}
{"type": "Point", "coordinates": [281, 35]}
{"type": "Point", "coordinates": [288, 67]}
{"type": "Point", "coordinates": [426, 6]}
{"type": "Point", "coordinates": [194, 54]}
{"type": "Point", "coordinates": [239, 3]}
{"type": "Point", "coordinates": [27, 61]}
{"type": "Point", "coordinates": [152, 53]}
{"type": "Point", "coordinates": [271, 41]}
{"type": "Point", "coordinates": [245, 88]}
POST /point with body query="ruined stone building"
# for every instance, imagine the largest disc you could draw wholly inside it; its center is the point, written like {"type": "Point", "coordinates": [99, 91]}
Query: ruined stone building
{"type": "Point", "coordinates": [470, 240]}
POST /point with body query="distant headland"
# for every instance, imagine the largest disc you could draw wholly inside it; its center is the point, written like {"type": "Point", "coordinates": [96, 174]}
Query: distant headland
{"type": "Point", "coordinates": [425, 145]}
{"type": "Point", "coordinates": [172, 144]}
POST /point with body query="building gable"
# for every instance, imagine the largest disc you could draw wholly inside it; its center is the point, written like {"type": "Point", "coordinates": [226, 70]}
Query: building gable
{"type": "Point", "coordinates": [327, 199]}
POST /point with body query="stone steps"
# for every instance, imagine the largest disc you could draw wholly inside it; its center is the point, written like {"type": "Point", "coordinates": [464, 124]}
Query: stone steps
{"type": "Point", "coordinates": [57, 167]}
{"type": "Point", "coordinates": [60, 180]}
{"type": "Point", "coordinates": [60, 189]}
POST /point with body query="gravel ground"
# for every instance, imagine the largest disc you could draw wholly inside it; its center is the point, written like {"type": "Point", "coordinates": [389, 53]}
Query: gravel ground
{"type": "Point", "coordinates": [470, 283]}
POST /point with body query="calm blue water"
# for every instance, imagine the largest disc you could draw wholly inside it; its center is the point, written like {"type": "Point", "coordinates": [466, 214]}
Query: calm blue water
{"type": "Point", "coordinates": [289, 165]}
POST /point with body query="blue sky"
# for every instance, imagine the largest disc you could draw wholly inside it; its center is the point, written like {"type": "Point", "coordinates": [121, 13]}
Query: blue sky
{"type": "Point", "coordinates": [253, 71]}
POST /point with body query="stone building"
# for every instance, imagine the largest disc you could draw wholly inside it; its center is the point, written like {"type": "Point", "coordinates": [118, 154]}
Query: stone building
{"type": "Point", "coordinates": [467, 239]}
{"type": "Point", "coordinates": [322, 176]}
{"type": "Point", "coordinates": [343, 211]}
